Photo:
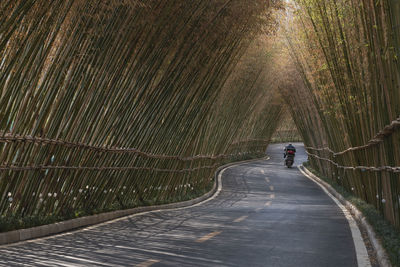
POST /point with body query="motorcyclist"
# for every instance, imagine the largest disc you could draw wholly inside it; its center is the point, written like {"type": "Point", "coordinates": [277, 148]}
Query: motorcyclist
{"type": "Point", "coordinates": [289, 147]}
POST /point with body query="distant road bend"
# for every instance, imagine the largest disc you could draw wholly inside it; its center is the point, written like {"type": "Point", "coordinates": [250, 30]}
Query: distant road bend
{"type": "Point", "coordinates": [265, 215]}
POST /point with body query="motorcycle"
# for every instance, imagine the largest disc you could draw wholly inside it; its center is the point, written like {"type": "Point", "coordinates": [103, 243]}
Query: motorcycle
{"type": "Point", "coordinates": [289, 160]}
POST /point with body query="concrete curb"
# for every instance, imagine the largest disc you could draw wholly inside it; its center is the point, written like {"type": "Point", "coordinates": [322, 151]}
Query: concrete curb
{"type": "Point", "coordinates": [73, 224]}
{"type": "Point", "coordinates": [382, 257]}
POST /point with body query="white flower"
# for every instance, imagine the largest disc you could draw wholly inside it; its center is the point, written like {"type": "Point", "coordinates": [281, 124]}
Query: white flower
{"type": "Point", "coordinates": [49, 194]}
{"type": "Point", "coordinates": [55, 194]}
{"type": "Point", "coordinates": [383, 200]}
{"type": "Point", "coordinates": [80, 190]}
{"type": "Point", "coordinates": [9, 194]}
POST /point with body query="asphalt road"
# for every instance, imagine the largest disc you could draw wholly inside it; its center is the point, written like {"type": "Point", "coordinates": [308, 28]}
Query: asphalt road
{"type": "Point", "coordinates": [265, 215]}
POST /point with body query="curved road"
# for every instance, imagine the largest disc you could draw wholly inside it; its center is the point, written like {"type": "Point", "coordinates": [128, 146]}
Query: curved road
{"type": "Point", "coordinates": [265, 215]}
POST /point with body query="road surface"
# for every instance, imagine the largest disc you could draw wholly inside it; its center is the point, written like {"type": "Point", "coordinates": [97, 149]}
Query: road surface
{"type": "Point", "coordinates": [265, 215]}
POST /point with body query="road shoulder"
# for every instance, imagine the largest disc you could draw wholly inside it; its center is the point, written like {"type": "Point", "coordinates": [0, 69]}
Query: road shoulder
{"type": "Point", "coordinates": [355, 219]}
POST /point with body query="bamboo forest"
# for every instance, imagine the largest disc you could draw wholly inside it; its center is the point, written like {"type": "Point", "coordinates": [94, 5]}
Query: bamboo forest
{"type": "Point", "coordinates": [108, 105]}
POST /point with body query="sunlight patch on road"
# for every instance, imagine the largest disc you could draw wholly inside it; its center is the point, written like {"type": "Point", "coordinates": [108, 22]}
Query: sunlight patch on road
{"type": "Point", "coordinates": [207, 237]}
{"type": "Point", "coordinates": [147, 263]}
{"type": "Point", "coordinates": [166, 253]}
{"type": "Point", "coordinates": [84, 260]}
{"type": "Point", "coordinates": [241, 219]}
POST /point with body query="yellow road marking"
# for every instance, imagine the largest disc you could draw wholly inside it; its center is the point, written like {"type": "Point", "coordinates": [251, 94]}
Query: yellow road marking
{"type": "Point", "coordinates": [268, 203]}
{"type": "Point", "coordinates": [272, 196]}
{"type": "Point", "coordinates": [147, 263]}
{"type": "Point", "coordinates": [240, 219]}
{"type": "Point", "coordinates": [271, 187]}
{"type": "Point", "coordinates": [207, 237]}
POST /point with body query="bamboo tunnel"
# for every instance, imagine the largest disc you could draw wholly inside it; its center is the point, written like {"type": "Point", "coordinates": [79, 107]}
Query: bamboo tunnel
{"type": "Point", "coordinates": [113, 104]}
{"type": "Point", "coordinates": [346, 53]}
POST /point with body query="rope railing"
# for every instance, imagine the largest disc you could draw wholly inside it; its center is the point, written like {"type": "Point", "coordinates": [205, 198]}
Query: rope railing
{"type": "Point", "coordinates": [94, 168]}
{"type": "Point", "coordinates": [111, 168]}
{"type": "Point", "coordinates": [377, 139]}
{"type": "Point", "coordinates": [362, 168]}
{"type": "Point", "coordinates": [16, 138]}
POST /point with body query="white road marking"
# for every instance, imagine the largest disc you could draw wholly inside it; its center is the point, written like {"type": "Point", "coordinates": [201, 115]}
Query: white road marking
{"type": "Point", "coordinates": [241, 219]}
{"type": "Point", "coordinates": [208, 237]}
{"type": "Point", "coordinates": [361, 251]}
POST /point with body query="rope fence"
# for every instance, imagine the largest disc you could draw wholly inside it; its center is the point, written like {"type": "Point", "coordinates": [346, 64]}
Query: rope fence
{"type": "Point", "coordinates": [362, 168]}
{"type": "Point", "coordinates": [388, 130]}
{"type": "Point", "coordinates": [377, 139]}
{"type": "Point", "coordinates": [108, 168]}
{"type": "Point", "coordinates": [16, 138]}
